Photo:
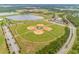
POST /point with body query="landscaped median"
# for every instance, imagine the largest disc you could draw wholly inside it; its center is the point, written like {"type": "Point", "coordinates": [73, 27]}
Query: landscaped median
{"type": "Point", "coordinates": [3, 46]}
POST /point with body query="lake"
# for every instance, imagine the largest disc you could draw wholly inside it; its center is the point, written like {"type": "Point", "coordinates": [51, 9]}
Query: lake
{"type": "Point", "coordinates": [25, 17]}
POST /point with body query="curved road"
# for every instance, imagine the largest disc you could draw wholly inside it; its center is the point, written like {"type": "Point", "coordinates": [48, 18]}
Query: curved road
{"type": "Point", "coordinates": [69, 43]}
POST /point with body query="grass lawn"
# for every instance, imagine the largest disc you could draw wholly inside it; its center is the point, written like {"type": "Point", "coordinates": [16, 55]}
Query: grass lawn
{"type": "Point", "coordinates": [3, 47]}
{"type": "Point", "coordinates": [30, 42]}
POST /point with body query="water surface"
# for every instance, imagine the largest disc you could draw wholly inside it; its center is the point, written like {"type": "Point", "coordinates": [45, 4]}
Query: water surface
{"type": "Point", "coordinates": [25, 17]}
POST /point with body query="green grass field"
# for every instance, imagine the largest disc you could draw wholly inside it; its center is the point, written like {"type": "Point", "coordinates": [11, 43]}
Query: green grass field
{"type": "Point", "coordinates": [30, 42]}
{"type": "Point", "coordinates": [3, 47]}
{"type": "Point", "coordinates": [54, 46]}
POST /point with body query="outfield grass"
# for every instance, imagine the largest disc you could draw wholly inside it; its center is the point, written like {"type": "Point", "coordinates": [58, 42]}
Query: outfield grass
{"type": "Point", "coordinates": [54, 46]}
{"type": "Point", "coordinates": [30, 42]}
{"type": "Point", "coordinates": [3, 47]}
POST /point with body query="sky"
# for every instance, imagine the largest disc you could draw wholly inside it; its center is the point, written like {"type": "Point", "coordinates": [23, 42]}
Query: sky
{"type": "Point", "coordinates": [39, 1]}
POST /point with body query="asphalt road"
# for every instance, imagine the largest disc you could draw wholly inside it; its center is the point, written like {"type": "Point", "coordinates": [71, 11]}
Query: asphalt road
{"type": "Point", "coordinates": [13, 47]}
{"type": "Point", "coordinates": [69, 43]}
